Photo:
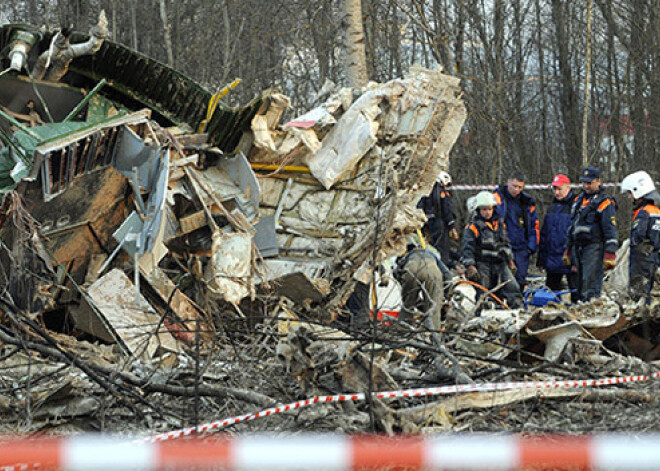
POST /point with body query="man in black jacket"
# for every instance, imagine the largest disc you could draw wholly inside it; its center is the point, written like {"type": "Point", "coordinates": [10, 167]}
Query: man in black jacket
{"type": "Point", "coordinates": [441, 223]}
{"type": "Point", "coordinates": [644, 233]}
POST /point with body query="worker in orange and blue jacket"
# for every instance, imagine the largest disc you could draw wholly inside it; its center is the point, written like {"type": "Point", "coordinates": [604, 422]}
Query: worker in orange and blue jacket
{"type": "Point", "coordinates": [486, 254]}
{"type": "Point", "coordinates": [518, 210]}
{"type": "Point", "coordinates": [592, 237]}
{"type": "Point", "coordinates": [644, 233]}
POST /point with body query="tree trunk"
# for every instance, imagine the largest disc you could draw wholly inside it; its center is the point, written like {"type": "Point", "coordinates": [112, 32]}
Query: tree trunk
{"type": "Point", "coordinates": [568, 96]}
{"type": "Point", "coordinates": [134, 35]}
{"type": "Point", "coordinates": [167, 33]}
{"type": "Point", "coordinates": [355, 59]}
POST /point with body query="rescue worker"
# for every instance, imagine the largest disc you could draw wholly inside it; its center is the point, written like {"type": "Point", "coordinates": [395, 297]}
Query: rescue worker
{"type": "Point", "coordinates": [419, 273]}
{"type": "Point", "coordinates": [439, 211]}
{"type": "Point", "coordinates": [518, 210]}
{"type": "Point", "coordinates": [592, 237]}
{"type": "Point", "coordinates": [486, 253]}
{"type": "Point", "coordinates": [554, 233]}
{"type": "Point", "coordinates": [644, 233]}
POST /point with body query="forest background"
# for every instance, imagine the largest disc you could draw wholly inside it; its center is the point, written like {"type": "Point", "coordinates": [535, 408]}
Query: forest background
{"type": "Point", "coordinates": [527, 67]}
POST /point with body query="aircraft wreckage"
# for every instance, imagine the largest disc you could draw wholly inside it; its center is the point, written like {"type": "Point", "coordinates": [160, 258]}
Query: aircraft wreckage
{"type": "Point", "coordinates": [141, 215]}
{"type": "Point", "coordinates": [124, 181]}
{"type": "Point", "coordinates": [137, 209]}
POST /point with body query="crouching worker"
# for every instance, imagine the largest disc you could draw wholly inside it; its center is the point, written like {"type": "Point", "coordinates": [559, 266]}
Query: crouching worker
{"type": "Point", "coordinates": [419, 272]}
{"type": "Point", "coordinates": [644, 233]}
{"type": "Point", "coordinates": [486, 253]}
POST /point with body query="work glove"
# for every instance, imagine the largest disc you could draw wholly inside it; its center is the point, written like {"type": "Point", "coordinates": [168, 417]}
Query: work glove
{"type": "Point", "coordinates": [512, 267]}
{"type": "Point", "coordinates": [453, 233]}
{"type": "Point", "coordinates": [566, 258]}
{"type": "Point", "coordinates": [472, 273]}
{"type": "Point", "coordinates": [609, 260]}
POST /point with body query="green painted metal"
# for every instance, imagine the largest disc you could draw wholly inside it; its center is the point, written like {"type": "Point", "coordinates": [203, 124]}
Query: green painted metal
{"type": "Point", "coordinates": [85, 100]}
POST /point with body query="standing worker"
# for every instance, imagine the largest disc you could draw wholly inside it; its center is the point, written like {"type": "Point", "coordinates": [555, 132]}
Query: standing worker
{"type": "Point", "coordinates": [439, 212]}
{"type": "Point", "coordinates": [554, 233]}
{"type": "Point", "coordinates": [486, 253]}
{"type": "Point", "coordinates": [592, 237]}
{"type": "Point", "coordinates": [644, 233]}
{"type": "Point", "coordinates": [518, 210]}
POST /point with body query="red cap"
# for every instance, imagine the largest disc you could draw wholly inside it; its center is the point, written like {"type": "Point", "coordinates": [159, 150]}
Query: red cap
{"type": "Point", "coordinates": [560, 180]}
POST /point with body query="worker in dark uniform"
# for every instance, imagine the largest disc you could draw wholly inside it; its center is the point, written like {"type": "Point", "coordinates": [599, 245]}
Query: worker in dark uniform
{"type": "Point", "coordinates": [554, 233]}
{"type": "Point", "coordinates": [592, 238]}
{"type": "Point", "coordinates": [419, 273]}
{"type": "Point", "coordinates": [518, 210]}
{"type": "Point", "coordinates": [441, 224]}
{"type": "Point", "coordinates": [644, 233]}
{"type": "Point", "coordinates": [486, 253]}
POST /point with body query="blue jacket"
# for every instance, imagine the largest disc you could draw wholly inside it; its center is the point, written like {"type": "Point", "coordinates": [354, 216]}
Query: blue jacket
{"type": "Point", "coordinates": [593, 219]}
{"type": "Point", "coordinates": [554, 233]}
{"type": "Point", "coordinates": [519, 215]}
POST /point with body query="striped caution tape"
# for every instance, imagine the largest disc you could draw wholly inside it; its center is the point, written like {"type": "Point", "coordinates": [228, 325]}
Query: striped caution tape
{"type": "Point", "coordinates": [10, 455]}
{"type": "Point", "coordinates": [341, 452]}
{"type": "Point", "coordinates": [417, 392]}
{"type": "Point", "coordinates": [531, 186]}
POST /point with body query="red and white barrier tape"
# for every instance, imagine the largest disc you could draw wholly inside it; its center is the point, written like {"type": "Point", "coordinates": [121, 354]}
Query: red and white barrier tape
{"type": "Point", "coordinates": [531, 186]}
{"type": "Point", "coordinates": [37, 461]}
{"type": "Point", "coordinates": [338, 452]}
{"type": "Point", "coordinates": [417, 392]}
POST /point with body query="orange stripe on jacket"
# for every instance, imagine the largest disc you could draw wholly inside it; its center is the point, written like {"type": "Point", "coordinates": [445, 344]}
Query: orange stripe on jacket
{"type": "Point", "coordinates": [649, 208]}
{"type": "Point", "coordinates": [604, 204]}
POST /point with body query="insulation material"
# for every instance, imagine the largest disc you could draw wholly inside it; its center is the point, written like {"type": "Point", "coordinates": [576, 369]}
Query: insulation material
{"type": "Point", "coordinates": [350, 207]}
{"type": "Point", "coordinates": [308, 137]}
{"type": "Point", "coordinates": [132, 320]}
{"type": "Point", "coordinates": [619, 277]}
{"type": "Point", "coordinates": [347, 142]}
{"type": "Point", "coordinates": [271, 191]}
{"type": "Point", "coordinates": [319, 116]}
{"type": "Point", "coordinates": [262, 136]}
{"type": "Point", "coordinates": [314, 207]}
{"type": "Point", "coordinates": [229, 272]}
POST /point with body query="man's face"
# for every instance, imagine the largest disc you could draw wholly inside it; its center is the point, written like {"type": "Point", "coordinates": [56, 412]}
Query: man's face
{"type": "Point", "coordinates": [515, 187]}
{"type": "Point", "coordinates": [486, 212]}
{"type": "Point", "coordinates": [561, 191]}
{"type": "Point", "coordinates": [592, 187]}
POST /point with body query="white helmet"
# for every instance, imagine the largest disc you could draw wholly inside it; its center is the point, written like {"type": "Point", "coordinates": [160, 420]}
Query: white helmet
{"type": "Point", "coordinates": [484, 199]}
{"type": "Point", "coordinates": [444, 178]}
{"type": "Point", "coordinates": [471, 204]}
{"type": "Point", "coordinates": [638, 183]}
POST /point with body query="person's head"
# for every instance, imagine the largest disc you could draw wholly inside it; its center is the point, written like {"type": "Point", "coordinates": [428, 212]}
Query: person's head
{"type": "Point", "coordinates": [561, 186]}
{"type": "Point", "coordinates": [637, 185]}
{"type": "Point", "coordinates": [444, 179]}
{"type": "Point", "coordinates": [590, 179]}
{"type": "Point", "coordinates": [485, 204]}
{"type": "Point", "coordinates": [515, 184]}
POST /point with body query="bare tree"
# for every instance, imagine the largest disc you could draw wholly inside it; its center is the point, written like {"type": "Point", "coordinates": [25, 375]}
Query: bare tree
{"type": "Point", "coordinates": [167, 33]}
{"type": "Point", "coordinates": [355, 59]}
